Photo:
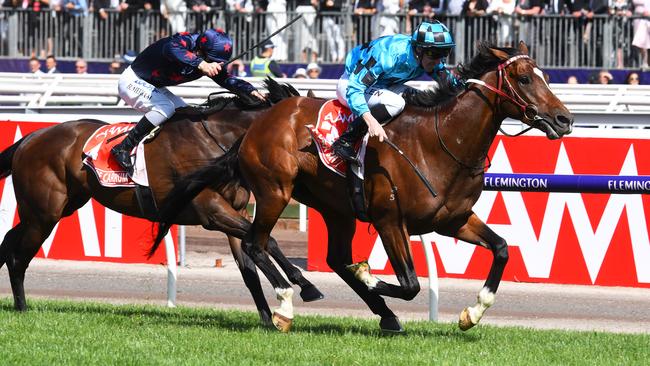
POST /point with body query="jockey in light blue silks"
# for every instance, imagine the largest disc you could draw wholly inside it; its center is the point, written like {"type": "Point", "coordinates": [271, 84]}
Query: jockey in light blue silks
{"type": "Point", "coordinates": [374, 77]}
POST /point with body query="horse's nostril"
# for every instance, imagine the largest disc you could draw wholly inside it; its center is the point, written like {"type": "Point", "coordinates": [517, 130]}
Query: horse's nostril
{"type": "Point", "coordinates": [563, 120]}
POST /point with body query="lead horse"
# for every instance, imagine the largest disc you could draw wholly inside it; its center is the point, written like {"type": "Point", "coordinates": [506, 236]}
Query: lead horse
{"type": "Point", "coordinates": [53, 157]}
{"type": "Point", "coordinates": [446, 133]}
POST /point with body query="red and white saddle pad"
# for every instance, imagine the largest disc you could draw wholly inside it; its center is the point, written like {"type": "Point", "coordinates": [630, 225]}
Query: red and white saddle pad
{"type": "Point", "coordinates": [97, 156]}
{"type": "Point", "coordinates": [333, 120]}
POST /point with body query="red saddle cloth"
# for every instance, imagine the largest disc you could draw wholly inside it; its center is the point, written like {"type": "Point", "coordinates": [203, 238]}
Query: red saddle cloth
{"type": "Point", "coordinates": [97, 155]}
{"type": "Point", "coordinates": [333, 120]}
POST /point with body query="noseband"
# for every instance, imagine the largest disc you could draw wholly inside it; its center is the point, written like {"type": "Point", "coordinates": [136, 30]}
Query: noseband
{"type": "Point", "coordinates": [529, 110]}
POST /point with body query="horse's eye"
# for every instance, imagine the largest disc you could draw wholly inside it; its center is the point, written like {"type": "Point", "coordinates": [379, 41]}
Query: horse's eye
{"type": "Point", "coordinates": [524, 80]}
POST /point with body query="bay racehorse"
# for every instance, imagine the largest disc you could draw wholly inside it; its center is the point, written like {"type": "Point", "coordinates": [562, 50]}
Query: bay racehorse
{"type": "Point", "coordinates": [447, 134]}
{"type": "Point", "coordinates": [52, 156]}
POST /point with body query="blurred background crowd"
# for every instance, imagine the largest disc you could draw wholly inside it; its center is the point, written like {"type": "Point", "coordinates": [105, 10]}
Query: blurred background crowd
{"type": "Point", "coordinates": [607, 35]}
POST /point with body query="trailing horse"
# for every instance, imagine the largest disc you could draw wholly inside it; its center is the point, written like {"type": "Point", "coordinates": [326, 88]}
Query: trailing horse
{"type": "Point", "coordinates": [52, 157]}
{"type": "Point", "coordinates": [447, 134]}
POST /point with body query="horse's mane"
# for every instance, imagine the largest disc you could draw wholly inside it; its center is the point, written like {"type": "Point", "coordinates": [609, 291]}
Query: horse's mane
{"type": "Point", "coordinates": [276, 92]}
{"type": "Point", "coordinates": [481, 63]}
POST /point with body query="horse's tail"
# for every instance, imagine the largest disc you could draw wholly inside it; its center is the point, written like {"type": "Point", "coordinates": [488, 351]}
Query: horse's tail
{"type": "Point", "coordinates": [6, 157]}
{"type": "Point", "coordinates": [221, 172]}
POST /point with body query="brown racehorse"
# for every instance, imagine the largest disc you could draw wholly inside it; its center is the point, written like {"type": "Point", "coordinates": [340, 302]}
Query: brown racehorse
{"type": "Point", "coordinates": [52, 156]}
{"type": "Point", "coordinates": [446, 133]}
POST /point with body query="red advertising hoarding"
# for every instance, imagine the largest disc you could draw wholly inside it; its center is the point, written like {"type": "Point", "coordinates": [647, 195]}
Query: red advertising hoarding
{"type": "Point", "coordinates": [93, 233]}
{"type": "Point", "coordinates": [569, 238]}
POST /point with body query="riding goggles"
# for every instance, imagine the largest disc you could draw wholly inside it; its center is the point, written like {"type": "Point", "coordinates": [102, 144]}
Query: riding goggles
{"type": "Point", "coordinates": [434, 52]}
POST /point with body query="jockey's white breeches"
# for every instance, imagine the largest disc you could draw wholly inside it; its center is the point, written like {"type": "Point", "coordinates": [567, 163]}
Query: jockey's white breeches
{"type": "Point", "coordinates": [157, 104]}
{"type": "Point", "coordinates": [390, 97]}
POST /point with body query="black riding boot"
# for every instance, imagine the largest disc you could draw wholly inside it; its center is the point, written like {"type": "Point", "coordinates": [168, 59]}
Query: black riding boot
{"type": "Point", "coordinates": [122, 151]}
{"type": "Point", "coordinates": [344, 146]}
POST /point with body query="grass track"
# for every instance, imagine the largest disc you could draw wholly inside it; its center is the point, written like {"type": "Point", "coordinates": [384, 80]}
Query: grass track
{"type": "Point", "coordinates": [56, 332]}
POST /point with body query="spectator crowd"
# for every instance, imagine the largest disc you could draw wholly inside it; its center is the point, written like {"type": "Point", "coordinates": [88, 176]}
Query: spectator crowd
{"type": "Point", "coordinates": [323, 34]}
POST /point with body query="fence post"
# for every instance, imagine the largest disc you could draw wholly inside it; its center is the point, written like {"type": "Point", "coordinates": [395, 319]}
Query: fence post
{"type": "Point", "coordinates": [171, 270]}
{"type": "Point", "coordinates": [433, 279]}
{"type": "Point", "coordinates": [303, 218]}
{"type": "Point", "coordinates": [12, 34]}
{"type": "Point", "coordinates": [87, 31]}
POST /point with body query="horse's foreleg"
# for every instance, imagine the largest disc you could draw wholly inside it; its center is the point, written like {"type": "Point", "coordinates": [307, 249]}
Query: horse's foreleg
{"type": "Point", "coordinates": [476, 232]}
{"type": "Point", "coordinates": [251, 279]}
{"type": "Point", "coordinates": [308, 292]}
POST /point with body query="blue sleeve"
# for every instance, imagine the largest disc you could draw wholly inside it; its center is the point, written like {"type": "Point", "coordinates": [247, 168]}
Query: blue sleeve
{"type": "Point", "coordinates": [370, 67]}
{"type": "Point", "coordinates": [178, 49]}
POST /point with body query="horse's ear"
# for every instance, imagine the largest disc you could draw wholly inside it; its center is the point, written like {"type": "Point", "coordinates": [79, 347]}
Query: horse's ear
{"type": "Point", "coordinates": [499, 54]}
{"type": "Point", "coordinates": [523, 49]}
{"type": "Point", "coordinates": [310, 94]}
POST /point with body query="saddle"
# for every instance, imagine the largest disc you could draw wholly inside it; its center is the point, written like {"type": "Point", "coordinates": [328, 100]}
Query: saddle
{"type": "Point", "coordinates": [332, 121]}
{"type": "Point", "coordinates": [97, 157]}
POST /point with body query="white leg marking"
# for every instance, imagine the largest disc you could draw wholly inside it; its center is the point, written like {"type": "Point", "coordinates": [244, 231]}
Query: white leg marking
{"type": "Point", "coordinates": [485, 300]}
{"type": "Point", "coordinates": [285, 295]}
{"type": "Point", "coordinates": [362, 273]}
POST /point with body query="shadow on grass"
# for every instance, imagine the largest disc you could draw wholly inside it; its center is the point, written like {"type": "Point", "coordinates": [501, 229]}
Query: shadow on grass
{"type": "Point", "coordinates": [237, 320]}
{"type": "Point", "coordinates": [412, 330]}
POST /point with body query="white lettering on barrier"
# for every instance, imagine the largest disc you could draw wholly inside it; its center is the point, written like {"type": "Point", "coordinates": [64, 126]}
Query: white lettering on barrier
{"type": "Point", "coordinates": [538, 253]}
{"type": "Point", "coordinates": [8, 200]}
{"type": "Point", "coordinates": [88, 230]}
{"type": "Point", "coordinates": [112, 234]}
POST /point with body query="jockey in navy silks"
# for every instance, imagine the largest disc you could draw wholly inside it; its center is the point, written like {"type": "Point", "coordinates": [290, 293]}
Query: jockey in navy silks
{"type": "Point", "coordinates": [170, 61]}
{"type": "Point", "coordinates": [374, 77]}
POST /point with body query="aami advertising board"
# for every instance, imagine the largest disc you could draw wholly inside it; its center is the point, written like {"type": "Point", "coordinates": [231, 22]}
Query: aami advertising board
{"type": "Point", "coordinates": [571, 238]}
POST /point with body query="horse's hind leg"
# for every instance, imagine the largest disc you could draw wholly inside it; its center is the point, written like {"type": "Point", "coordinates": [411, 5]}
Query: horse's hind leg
{"type": "Point", "coordinates": [339, 254]}
{"type": "Point", "coordinates": [308, 292]}
{"type": "Point", "coordinates": [23, 242]}
{"type": "Point", "coordinates": [476, 232]}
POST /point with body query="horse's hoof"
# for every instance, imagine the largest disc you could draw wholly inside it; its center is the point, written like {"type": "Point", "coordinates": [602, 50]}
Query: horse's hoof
{"type": "Point", "coordinates": [281, 322]}
{"type": "Point", "coordinates": [311, 293]}
{"type": "Point", "coordinates": [465, 322]}
{"type": "Point", "coordinates": [391, 325]}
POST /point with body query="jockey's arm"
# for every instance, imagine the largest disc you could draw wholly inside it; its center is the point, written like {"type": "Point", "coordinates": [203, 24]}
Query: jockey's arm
{"type": "Point", "coordinates": [364, 76]}
{"type": "Point", "coordinates": [236, 85]}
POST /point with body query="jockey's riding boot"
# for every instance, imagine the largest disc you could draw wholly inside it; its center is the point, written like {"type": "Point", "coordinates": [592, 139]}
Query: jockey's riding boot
{"type": "Point", "coordinates": [344, 146]}
{"type": "Point", "coordinates": [122, 151]}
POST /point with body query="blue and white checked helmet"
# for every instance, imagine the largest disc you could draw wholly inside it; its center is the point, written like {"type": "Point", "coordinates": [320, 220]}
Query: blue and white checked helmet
{"type": "Point", "coordinates": [432, 33]}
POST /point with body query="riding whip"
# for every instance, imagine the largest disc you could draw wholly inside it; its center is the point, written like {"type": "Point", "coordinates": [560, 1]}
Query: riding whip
{"type": "Point", "coordinates": [264, 40]}
{"type": "Point", "coordinates": [417, 171]}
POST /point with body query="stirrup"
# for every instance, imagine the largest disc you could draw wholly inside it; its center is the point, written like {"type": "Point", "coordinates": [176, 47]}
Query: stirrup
{"type": "Point", "coordinates": [345, 151]}
{"type": "Point", "coordinates": [123, 158]}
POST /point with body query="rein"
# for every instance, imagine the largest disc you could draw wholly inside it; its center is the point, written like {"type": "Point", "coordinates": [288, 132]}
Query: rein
{"type": "Point", "coordinates": [479, 166]}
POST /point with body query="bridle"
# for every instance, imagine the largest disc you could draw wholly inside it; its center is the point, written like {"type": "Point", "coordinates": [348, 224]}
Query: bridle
{"type": "Point", "coordinates": [529, 110]}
